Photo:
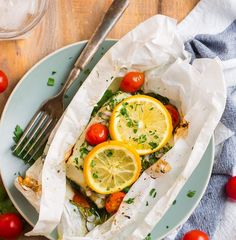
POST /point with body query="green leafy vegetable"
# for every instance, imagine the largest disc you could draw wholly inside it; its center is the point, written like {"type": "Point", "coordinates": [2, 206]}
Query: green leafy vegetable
{"type": "Point", "coordinates": [108, 94]}
{"type": "Point", "coordinates": [126, 189]}
{"type": "Point", "coordinates": [6, 205]}
{"type": "Point", "coordinates": [16, 137]}
{"type": "Point", "coordinates": [162, 99]}
{"type": "Point", "coordinates": [17, 133]}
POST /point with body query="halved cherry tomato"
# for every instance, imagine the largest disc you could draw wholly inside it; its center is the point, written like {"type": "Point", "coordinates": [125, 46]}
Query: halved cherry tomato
{"type": "Point", "coordinates": [195, 235]}
{"type": "Point", "coordinates": [10, 226]}
{"type": "Point", "coordinates": [132, 82]}
{"type": "Point", "coordinates": [80, 200]}
{"type": "Point", "coordinates": [113, 202]}
{"type": "Point", "coordinates": [97, 133]}
{"type": "Point", "coordinates": [231, 188]}
{"type": "Point", "coordinates": [3, 81]}
{"type": "Point", "coordinates": [174, 114]}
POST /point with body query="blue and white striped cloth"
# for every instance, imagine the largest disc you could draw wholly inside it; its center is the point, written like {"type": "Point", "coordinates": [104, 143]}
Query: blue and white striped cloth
{"type": "Point", "coordinates": [209, 31]}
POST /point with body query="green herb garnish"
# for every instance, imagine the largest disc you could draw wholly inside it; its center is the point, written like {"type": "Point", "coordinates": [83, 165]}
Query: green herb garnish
{"type": "Point", "coordinates": [54, 72]}
{"type": "Point", "coordinates": [191, 194]}
{"type": "Point", "coordinates": [107, 95]}
{"type": "Point", "coordinates": [17, 133]}
{"type": "Point", "coordinates": [129, 201]}
{"type": "Point", "coordinates": [92, 163]}
{"type": "Point", "coordinates": [95, 175]}
{"type": "Point", "coordinates": [51, 82]}
{"type": "Point", "coordinates": [126, 189]}
{"type": "Point", "coordinates": [153, 145]}
{"type": "Point", "coordinates": [148, 237]}
{"type": "Point", "coordinates": [174, 202]}
{"type": "Point", "coordinates": [152, 191]}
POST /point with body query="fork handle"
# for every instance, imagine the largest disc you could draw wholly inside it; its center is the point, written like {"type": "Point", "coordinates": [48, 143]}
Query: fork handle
{"type": "Point", "coordinates": [113, 14]}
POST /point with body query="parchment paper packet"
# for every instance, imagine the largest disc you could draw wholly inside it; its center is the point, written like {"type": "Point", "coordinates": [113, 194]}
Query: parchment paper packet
{"type": "Point", "coordinates": [199, 92]}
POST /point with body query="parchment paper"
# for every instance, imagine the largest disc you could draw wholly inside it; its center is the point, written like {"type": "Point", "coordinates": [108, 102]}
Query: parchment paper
{"type": "Point", "coordinates": [199, 92]}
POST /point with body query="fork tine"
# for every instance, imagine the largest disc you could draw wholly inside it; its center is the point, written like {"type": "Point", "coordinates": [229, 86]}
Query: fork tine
{"type": "Point", "coordinates": [43, 141]}
{"type": "Point", "coordinates": [49, 120]}
{"type": "Point", "coordinates": [28, 128]}
{"type": "Point", "coordinates": [34, 131]}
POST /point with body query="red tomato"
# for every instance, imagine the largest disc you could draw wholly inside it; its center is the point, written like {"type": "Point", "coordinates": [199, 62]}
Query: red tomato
{"type": "Point", "coordinates": [132, 82]}
{"type": "Point", "coordinates": [10, 226]}
{"type": "Point", "coordinates": [174, 115]}
{"type": "Point", "coordinates": [3, 81]}
{"type": "Point", "coordinates": [113, 202]}
{"type": "Point", "coordinates": [231, 188]}
{"type": "Point", "coordinates": [97, 133]}
{"type": "Point", "coordinates": [195, 235]}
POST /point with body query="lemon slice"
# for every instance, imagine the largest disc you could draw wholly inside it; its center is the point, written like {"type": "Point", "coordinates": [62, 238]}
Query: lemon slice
{"type": "Point", "coordinates": [142, 122]}
{"type": "Point", "coordinates": [111, 166]}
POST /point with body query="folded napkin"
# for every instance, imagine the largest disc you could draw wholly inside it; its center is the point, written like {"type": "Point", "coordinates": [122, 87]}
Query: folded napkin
{"type": "Point", "coordinates": [215, 214]}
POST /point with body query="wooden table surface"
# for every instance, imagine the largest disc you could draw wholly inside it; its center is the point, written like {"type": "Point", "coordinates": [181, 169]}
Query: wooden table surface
{"type": "Point", "coordinates": [69, 21]}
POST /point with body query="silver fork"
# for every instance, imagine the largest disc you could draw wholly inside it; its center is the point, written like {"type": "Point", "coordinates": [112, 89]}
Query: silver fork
{"type": "Point", "coordinates": [39, 128]}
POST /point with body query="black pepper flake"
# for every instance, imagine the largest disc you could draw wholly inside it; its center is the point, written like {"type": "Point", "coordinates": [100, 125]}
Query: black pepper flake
{"type": "Point", "coordinates": [174, 202]}
{"type": "Point", "coordinates": [167, 227]}
{"type": "Point", "coordinates": [146, 203]}
{"type": "Point", "coordinates": [127, 216]}
{"type": "Point", "coordinates": [154, 194]}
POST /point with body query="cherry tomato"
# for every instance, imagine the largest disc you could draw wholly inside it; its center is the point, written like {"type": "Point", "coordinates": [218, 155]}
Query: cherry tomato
{"type": "Point", "coordinates": [132, 82]}
{"type": "Point", "coordinates": [195, 235]}
{"type": "Point", "coordinates": [10, 226]}
{"type": "Point", "coordinates": [113, 202]}
{"type": "Point", "coordinates": [97, 133]}
{"type": "Point", "coordinates": [3, 81]}
{"type": "Point", "coordinates": [231, 188]}
{"type": "Point", "coordinates": [80, 200]}
{"type": "Point", "coordinates": [174, 115]}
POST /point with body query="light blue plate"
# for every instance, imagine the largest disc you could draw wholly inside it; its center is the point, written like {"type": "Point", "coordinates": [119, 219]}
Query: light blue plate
{"type": "Point", "coordinates": [32, 90]}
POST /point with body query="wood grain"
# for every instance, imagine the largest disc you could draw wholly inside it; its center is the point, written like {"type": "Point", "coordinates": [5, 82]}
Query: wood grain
{"type": "Point", "coordinates": [68, 21]}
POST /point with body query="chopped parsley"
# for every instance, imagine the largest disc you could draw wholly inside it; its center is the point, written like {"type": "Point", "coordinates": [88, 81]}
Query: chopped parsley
{"type": "Point", "coordinates": [109, 153]}
{"type": "Point", "coordinates": [174, 202]}
{"type": "Point", "coordinates": [83, 150]}
{"type": "Point", "coordinates": [153, 190]}
{"type": "Point", "coordinates": [129, 201]}
{"type": "Point", "coordinates": [148, 237]}
{"type": "Point", "coordinates": [135, 130]}
{"type": "Point", "coordinates": [153, 145]}
{"type": "Point", "coordinates": [92, 163]}
{"type": "Point", "coordinates": [54, 72]}
{"type": "Point", "coordinates": [95, 175]}
{"type": "Point", "coordinates": [51, 82]}
{"type": "Point", "coordinates": [142, 139]}
{"type": "Point", "coordinates": [146, 203]}
{"type": "Point", "coordinates": [191, 194]}
{"type": "Point", "coordinates": [76, 160]}
{"type": "Point", "coordinates": [66, 96]}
